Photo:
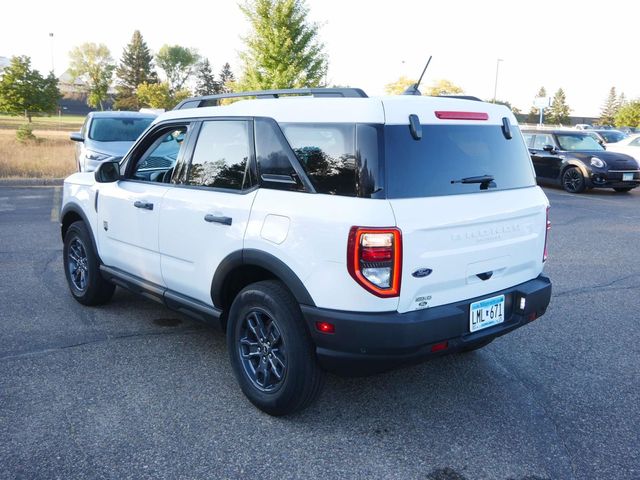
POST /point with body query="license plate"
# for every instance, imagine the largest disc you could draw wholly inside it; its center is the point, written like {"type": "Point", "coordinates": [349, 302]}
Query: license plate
{"type": "Point", "coordinates": [627, 176]}
{"type": "Point", "coordinates": [485, 313]}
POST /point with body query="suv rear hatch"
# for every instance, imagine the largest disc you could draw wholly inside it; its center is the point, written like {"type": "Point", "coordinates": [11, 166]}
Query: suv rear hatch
{"type": "Point", "coordinates": [473, 221]}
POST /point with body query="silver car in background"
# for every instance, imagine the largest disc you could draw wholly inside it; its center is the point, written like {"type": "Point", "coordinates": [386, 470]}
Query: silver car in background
{"type": "Point", "coordinates": [108, 136]}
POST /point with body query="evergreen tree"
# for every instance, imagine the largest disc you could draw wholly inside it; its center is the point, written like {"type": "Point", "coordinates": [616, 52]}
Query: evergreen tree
{"type": "Point", "coordinates": [283, 50]}
{"type": "Point", "coordinates": [135, 68]}
{"type": "Point", "coordinates": [206, 82]}
{"type": "Point", "coordinates": [622, 101]}
{"type": "Point", "coordinates": [227, 79]}
{"type": "Point", "coordinates": [534, 113]}
{"type": "Point", "coordinates": [610, 108]}
{"type": "Point", "coordinates": [559, 110]}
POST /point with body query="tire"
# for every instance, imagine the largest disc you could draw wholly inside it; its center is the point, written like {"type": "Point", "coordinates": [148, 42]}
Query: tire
{"type": "Point", "coordinates": [82, 269]}
{"type": "Point", "coordinates": [623, 189]}
{"type": "Point", "coordinates": [476, 346]}
{"type": "Point", "coordinates": [573, 180]}
{"type": "Point", "coordinates": [271, 353]}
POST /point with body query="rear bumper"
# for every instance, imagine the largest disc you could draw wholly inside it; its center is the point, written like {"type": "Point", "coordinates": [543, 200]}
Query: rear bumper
{"type": "Point", "coordinates": [369, 342]}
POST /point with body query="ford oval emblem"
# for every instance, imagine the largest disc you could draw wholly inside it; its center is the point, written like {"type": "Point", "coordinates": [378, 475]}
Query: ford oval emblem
{"type": "Point", "coordinates": [422, 272]}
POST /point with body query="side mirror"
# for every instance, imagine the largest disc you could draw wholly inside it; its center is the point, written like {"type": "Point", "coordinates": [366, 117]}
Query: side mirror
{"type": "Point", "coordinates": [76, 137]}
{"type": "Point", "coordinates": [108, 172]}
{"type": "Point", "coordinates": [549, 148]}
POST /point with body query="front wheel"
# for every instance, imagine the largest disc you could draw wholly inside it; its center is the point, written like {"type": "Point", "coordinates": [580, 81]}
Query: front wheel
{"type": "Point", "coordinates": [623, 189]}
{"type": "Point", "coordinates": [573, 180]}
{"type": "Point", "coordinates": [271, 353]}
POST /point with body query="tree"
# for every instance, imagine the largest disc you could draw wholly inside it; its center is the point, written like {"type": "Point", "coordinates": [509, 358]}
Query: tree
{"type": "Point", "coordinates": [559, 110]}
{"type": "Point", "coordinates": [23, 91]}
{"type": "Point", "coordinates": [283, 50]}
{"type": "Point", "coordinates": [92, 63]}
{"type": "Point", "coordinates": [443, 87]}
{"type": "Point", "coordinates": [622, 100]}
{"type": "Point", "coordinates": [610, 108]}
{"type": "Point", "coordinates": [399, 86]}
{"type": "Point", "coordinates": [136, 67]}
{"type": "Point", "coordinates": [629, 115]}
{"type": "Point", "coordinates": [159, 95]}
{"type": "Point", "coordinates": [227, 79]}
{"type": "Point", "coordinates": [534, 113]}
{"type": "Point", "coordinates": [178, 64]}
{"type": "Point", "coordinates": [515, 110]}
{"type": "Point", "coordinates": [206, 82]}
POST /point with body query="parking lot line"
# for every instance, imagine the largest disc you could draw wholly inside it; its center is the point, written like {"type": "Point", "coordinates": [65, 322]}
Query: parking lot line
{"type": "Point", "coordinates": [55, 208]}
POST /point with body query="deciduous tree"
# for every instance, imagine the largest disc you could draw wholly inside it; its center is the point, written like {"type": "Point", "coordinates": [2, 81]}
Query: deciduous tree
{"type": "Point", "coordinates": [92, 63]}
{"type": "Point", "coordinates": [442, 87]}
{"type": "Point", "coordinates": [159, 95]}
{"type": "Point", "coordinates": [178, 64]}
{"type": "Point", "coordinates": [629, 115]}
{"type": "Point", "coordinates": [399, 86]}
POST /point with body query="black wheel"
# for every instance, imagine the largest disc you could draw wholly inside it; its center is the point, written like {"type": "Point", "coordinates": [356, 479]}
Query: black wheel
{"type": "Point", "coordinates": [573, 181]}
{"type": "Point", "coordinates": [82, 269]}
{"type": "Point", "coordinates": [623, 189]}
{"type": "Point", "coordinates": [476, 346]}
{"type": "Point", "coordinates": [271, 352]}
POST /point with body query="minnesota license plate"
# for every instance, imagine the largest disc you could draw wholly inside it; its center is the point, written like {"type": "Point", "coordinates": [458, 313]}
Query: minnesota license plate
{"type": "Point", "coordinates": [627, 176]}
{"type": "Point", "coordinates": [485, 313]}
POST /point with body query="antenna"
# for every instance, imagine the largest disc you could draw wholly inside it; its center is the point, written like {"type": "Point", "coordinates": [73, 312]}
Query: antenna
{"type": "Point", "coordinates": [413, 89]}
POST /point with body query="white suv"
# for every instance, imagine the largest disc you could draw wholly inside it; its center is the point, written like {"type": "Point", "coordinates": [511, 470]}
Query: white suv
{"type": "Point", "coordinates": [321, 229]}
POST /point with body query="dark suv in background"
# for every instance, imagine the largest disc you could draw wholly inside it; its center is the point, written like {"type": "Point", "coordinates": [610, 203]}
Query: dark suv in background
{"type": "Point", "coordinates": [576, 161]}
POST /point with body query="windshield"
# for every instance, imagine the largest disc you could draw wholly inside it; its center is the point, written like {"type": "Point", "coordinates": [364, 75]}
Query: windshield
{"type": "Point", "coordinates": [453, 160]}
{"type": "Point", "coordinates": [577, 143]}
{"type": "Point", "coordinates": [118, 129]}
{"type": "Point", "coordinates": [612, 136]}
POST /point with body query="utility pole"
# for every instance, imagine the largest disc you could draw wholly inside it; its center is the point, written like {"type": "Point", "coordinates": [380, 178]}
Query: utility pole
{"type": "Point", "coordinates": [495, 87]}
{"type": "Point", "coordinates": [52, 64]}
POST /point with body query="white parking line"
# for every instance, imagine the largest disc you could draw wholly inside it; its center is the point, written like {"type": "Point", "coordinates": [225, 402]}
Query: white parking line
{"type": "Point", "coordinates": [57, 200]}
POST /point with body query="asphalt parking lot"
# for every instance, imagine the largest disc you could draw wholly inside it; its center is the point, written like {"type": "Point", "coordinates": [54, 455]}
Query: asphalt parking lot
{"type": "Point", "coordinates": [133, 390]}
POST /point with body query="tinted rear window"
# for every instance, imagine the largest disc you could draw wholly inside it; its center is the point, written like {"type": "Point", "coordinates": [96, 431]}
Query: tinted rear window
{"type": "Point", "coordinates": [117, 129]}
{"type": "Point", "coordinates": [449, 153]}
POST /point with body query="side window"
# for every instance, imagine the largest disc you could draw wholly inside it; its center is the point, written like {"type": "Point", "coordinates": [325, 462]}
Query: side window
{"type": "Point", "coordinates": [327, 153]}
{"type": "Point", "coordinates": [156, 164]}
{"type": "Point", "coordinates": [274, 165]}
{"type": "Point", "coordinates": [84, 130]}
{"type": "Point", "coordinates": [541, 140]}
{"type": "Point", "coordinates": [635, 143]}
{"type": "Point", "coordinates": [221, 156]}
{"type": "Point", "coordinates": [528, 139]}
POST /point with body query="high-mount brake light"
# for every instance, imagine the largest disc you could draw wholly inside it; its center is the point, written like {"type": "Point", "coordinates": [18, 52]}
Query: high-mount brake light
{"type": "Point", "coordinates": [545, 255]}
{"type": "Point", "coordinates": [447, 115]}
{"type": "Point", "coordinates": [374, 259]}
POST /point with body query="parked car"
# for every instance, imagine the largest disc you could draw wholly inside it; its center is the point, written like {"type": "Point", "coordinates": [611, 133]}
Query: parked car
{"type": "Point", "coordinates": [576, 161]}
{"type": "Point", "coordinates": [596, 136]}
{"type": "Point", "coordinates": [628, 130]}
{"type": "Point", "coordinates": [107, 136]}
{"type": "Point", "coordinates": [583, 126]}
{"type": "Point", "coordinates": [346, 234]}
{"type": "Point", "coordinates": [610, 135]}
{"type": "Point", "coordinates": [629, 145]}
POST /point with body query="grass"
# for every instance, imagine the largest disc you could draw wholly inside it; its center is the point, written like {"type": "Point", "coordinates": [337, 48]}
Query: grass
{"type": "Point", "coordinates": [51, 155]}
{"type": "Point", "coordinates": [66, 123]}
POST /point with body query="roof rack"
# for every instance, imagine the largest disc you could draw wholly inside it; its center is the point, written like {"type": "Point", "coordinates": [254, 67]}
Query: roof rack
{"type": "Point", "coordinates": [213, 100]}
{"type": "Point", "coordinates": [462, 97]}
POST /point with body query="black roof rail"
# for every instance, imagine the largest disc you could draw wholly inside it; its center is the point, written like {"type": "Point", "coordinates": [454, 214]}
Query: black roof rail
{"type": "Point", "coordinates": [213, 100]}
{"type": "Point", "coordinates": [463, 97]}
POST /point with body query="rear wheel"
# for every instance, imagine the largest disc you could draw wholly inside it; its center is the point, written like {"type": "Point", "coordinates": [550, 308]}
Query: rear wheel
{"type": "Point", "coordinates": [623, 189]}
{"type": "Point", "coordinates": [82, 269]}
{"type": "Point", "coordinates": [573, 180]}
{"type": "Point", "coordinates": [271, 353]}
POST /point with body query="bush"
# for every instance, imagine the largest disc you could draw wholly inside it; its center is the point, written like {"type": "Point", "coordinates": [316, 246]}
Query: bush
{"type": "Point", "coordinates": [25, 133]}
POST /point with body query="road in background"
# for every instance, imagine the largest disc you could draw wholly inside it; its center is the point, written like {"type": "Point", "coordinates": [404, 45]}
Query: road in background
{"type": "Point", "coordinates": [133, 390]}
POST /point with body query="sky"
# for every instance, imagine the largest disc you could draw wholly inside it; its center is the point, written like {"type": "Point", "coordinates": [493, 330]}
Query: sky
{"type": "Point", "coordinates": [556, 44]}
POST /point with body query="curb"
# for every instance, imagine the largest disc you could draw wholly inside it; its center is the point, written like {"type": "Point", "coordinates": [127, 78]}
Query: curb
{"type": "Point", "coordinates": [30, 182]}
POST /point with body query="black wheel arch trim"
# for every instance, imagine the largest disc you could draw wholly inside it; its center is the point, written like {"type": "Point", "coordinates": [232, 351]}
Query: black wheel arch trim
{"type": "Point", "coordinates": [258, 258]}
{"type": "Point", "coordinates": [580, 165]}
{"type": "Point", "coordinates": [73, 207]}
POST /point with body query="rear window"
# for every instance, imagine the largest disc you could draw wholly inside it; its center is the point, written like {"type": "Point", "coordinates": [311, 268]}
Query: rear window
{"type": "Point", "coordinates": [447, 154]}
{"type": "Point", "coordinates": [117, 129]}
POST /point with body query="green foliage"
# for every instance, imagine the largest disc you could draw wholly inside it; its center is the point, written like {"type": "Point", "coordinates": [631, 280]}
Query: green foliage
{"type": "Point", "coordinates": [159, 95]}
{"type": "Point", "coordinates": [24, 133]}
{"type": "Point", "coordinates": [442, 87]}
{"type": "Point", "coordinates": [629, 115]}
{"type": "Point", "coordinates": [92, 63]}
{"type": "Point", "coordinates": [610, 108]}
{"type": "Point", "coordinates": [206, 82]}
{"type": "Point", "coordinates": [136, 67]}
{"type": "Point", "coordinates": [559, 110]}
{"type": "Point", "coordinates": [23, 91]}
{"type": "Point", "coordinates": [534, 113]}
{"type": "Point", "coordinates": [227, 79]}
{"type": "Point", "coordinates": [283, 49]}
{"type": "Point", "coordinates": [399, 86]}
{"type": "Point", "coordinates": [178, 64]}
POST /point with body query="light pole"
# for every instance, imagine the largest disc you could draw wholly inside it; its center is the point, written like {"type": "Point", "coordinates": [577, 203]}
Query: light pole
{"type": "Point", "coordinates": [495, 87]}
{"type": "Point", "coordinates": [51, 37]}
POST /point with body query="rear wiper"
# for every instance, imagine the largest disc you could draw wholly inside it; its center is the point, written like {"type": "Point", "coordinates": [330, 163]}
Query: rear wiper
{"type": "Point", "coordinates": [485, 181]}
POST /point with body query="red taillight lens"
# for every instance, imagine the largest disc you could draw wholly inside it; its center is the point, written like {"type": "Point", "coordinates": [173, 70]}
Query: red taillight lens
{"type": "Point", "coordinates": [546, 238]}
{"type": "Point", "coordinates": [374, 259]}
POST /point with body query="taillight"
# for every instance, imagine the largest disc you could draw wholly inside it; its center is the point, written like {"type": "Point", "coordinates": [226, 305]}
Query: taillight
{"type": "Point", "coordinates": [546, 237]}
{"type": "Point", "coordinates": [446, 115]}
{"type": "Point", "coordinates": [374, 259]}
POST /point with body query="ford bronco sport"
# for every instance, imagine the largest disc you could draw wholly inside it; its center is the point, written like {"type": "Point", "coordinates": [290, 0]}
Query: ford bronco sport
{"type": "Point", "coordinates": [321, 229]}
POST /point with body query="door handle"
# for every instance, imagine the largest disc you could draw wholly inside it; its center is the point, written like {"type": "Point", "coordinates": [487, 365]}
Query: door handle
{"type": "Point", "coordinates": [217, 219]}
{"type": "Point", "coordinates": [145, 205]}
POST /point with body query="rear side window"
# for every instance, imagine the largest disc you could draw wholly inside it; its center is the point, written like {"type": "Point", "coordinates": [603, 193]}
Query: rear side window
{"type": "Point", "coordinates": [447, 154]}
{"type": "Point", "coordinates": [221, 156]}
{"type": "Point", "coordinates": [274, 158]}
{"type": "Point", "coordinates": [327, 154]}
{"type": "Point", "coordinates": [542, 140]}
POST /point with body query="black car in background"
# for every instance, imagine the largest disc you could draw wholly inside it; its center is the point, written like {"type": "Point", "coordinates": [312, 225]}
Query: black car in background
{"type": "Point", "coordinates": [610, 135]}
{"type": "Point", "coordinates": [576, 161]}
